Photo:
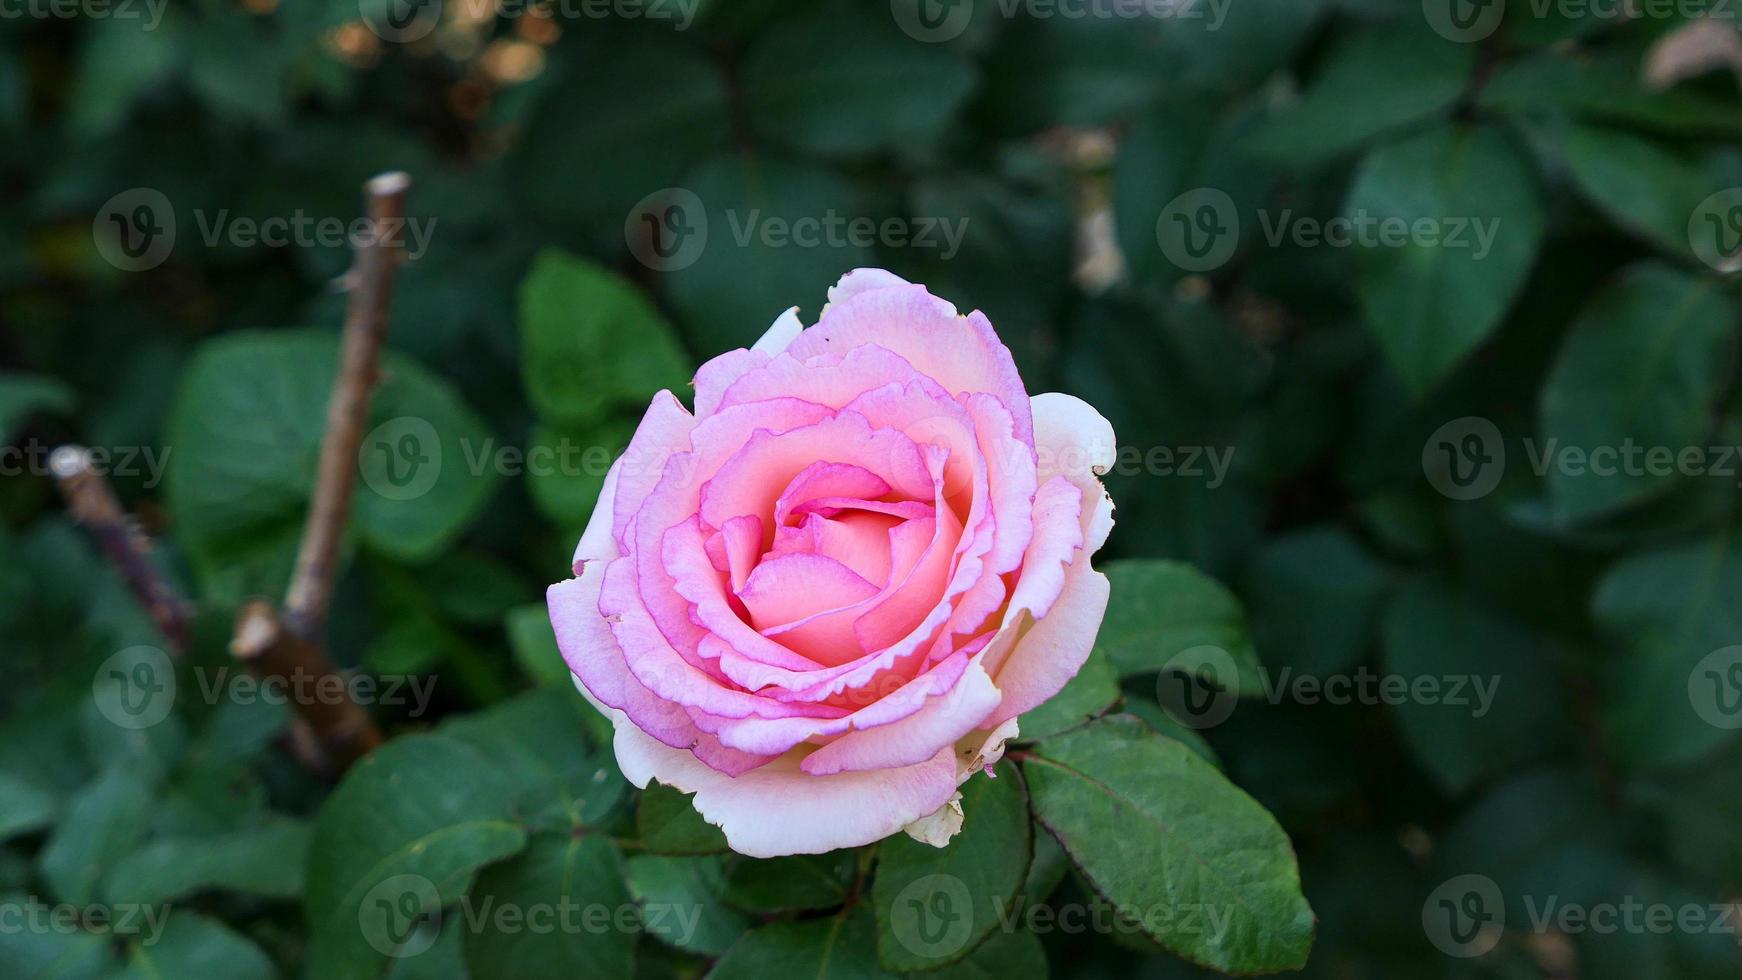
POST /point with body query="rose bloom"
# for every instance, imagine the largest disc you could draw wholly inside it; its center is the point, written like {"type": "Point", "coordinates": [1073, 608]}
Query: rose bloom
{"type": "Point", "coordinates": [821, 602]}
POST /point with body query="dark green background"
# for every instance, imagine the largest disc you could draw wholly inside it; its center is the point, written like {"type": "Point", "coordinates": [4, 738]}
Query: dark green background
{"type": "Point", "coordinates": [1325, 370]}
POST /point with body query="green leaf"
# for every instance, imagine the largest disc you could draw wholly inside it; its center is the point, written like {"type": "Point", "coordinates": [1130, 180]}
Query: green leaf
{"type": "Point", "coordinates": [1160, 609]}
{"type": "Point", "coordinates": [567, 484]}
{"type": "Point", "coordinates": [1603, 86]}
{"type": "Point", "coordinates": [1152, 826]}
{"type": "Point", "coordinates": [533, 641]}
{"type": "Point", "coordinates": [1700, 805]}
{"type": "Point", "coordinates": [1314, 593]}
{"type": "Point", "coordinates": [1081, 71]}
{"type": "Point", "coordinates": [846, 84]}
{"type": "Point", "coordinates": [247, 425]}
{"type": "Point", "coordinates": [800, 881]}
{"type": "Point", "coordinates": [24, 806]}
{"type": "Point", "coordinates": [539, 741]}
{"type": "Point", "coordinates": [1545, 833]}
{"type": "Point", "coordinates": [605, 108]}
{"type": "Point", "coordinates": [118, 65]}
{"type": "Point", "coordinates": [1474, 692]}
{"type": "Point", "coordinates": [1008, 954]}
{"type": "Point", "coordinates": [577, 884]}
{"type": "Point", "coordinates": [1087, 695]}
{"type": "Point", "coordinates": [1636, 183]}
{"type": "Point", "coordinates": [1048, 869]}
{"type": "Point", "coordinates": [49, 954]}
{"type": "Point", "coordinates": [668, 823]}
{"type": "Point", "coordinates": [268, 861]}
{"type": "Point", "coordinates": [1233, 49]}
{"type": "Point", "coordinates": [590, 341]}
{"type": "Point", "coordinates": [445, 959]}
{"type": "Point", "coordinates": [1432, 300]}
{"type": "Point", "coordinates": [964, 887]}
{"type": "Point", "coordinates": [414, 820]}
{"type": "Point", "coordinates": [239, 731]}
{"type": "Point", "coordinates": [100, 825]}
{"type": "Point", "coordinates": [1173, 148]}
{"type": "Point", "coordinates": [473, 587]}
{"type": "Point", "coordinates": [23, 395]}
{"type": "Point", "coordinates": [1642, 367]}
{"type": "Point", "coordinates": [680, 900]}
{"type": "Point", "coordinates": [839, 947]}
{"type": "Point", "coordinates": [1049, 71]}
{"type": "Point", "coordinates": [1668, 610]}
{"type": "Point", "coordinates": [195, 946]}
{"type": "Point", "coordinates": [1705, 952]}
{"type": "Point", "coordinates": [750, 269]}
{"type": "Point", "coordinates": [1373, 80]}
{"type": "Point", "coordinates": [1167, 726]}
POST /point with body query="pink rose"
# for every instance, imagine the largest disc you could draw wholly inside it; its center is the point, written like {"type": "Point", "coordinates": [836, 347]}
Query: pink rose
{"type": "Point", "coordinates": [821, 602]}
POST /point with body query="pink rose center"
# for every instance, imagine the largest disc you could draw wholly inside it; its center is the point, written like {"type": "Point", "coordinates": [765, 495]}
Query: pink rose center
{"type": "Point", "coordinates": [836, 563]}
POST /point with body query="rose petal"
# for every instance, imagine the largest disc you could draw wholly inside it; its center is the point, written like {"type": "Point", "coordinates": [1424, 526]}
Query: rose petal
{"type": "Point", "coordinates": [962, 353]}
{"type": "Point", "coordinates": [827, 479]}
{"type": "Point", "coordinates": [664, 431]}
{"type": "Point", "coordinates": [1043, 657]}
{"type": "Point", "coordinates": [714, 377]}
{"type": "Point", "coordinates": [779, 809]}
{"type": "Point", "coordinates": [787, 589]}
{"type": "Point", "coordinates": [1075, 442]}
{"type": "Point", "coordinates": [597, 542]}
{"type": "Point", "coordinates": [939, 724]}
{"type": "Point", "coordinates": [592, 654]}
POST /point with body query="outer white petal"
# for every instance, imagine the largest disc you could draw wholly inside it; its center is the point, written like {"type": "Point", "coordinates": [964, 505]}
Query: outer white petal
{"type": "Point", "coordinates": [784, 331]}
{"type": "Point", "coordinates": [863, 281]}
{"type": "Point", "coordinates": [779, 809]}
{"type": "Point", "coordinates": [937, 828]}
{"type": "Point", "coordinates": [596, 541]}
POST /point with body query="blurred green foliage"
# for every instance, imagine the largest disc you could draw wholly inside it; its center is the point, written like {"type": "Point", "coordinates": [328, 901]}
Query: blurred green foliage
{"type": "Point", "coordinates": [1161, 207]}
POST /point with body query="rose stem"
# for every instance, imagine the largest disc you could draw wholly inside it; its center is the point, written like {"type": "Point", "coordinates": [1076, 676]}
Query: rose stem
{"type": "Point", "coordinates": [290, 645]}
{"type": "Point", "coordinates": [93, 504]}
